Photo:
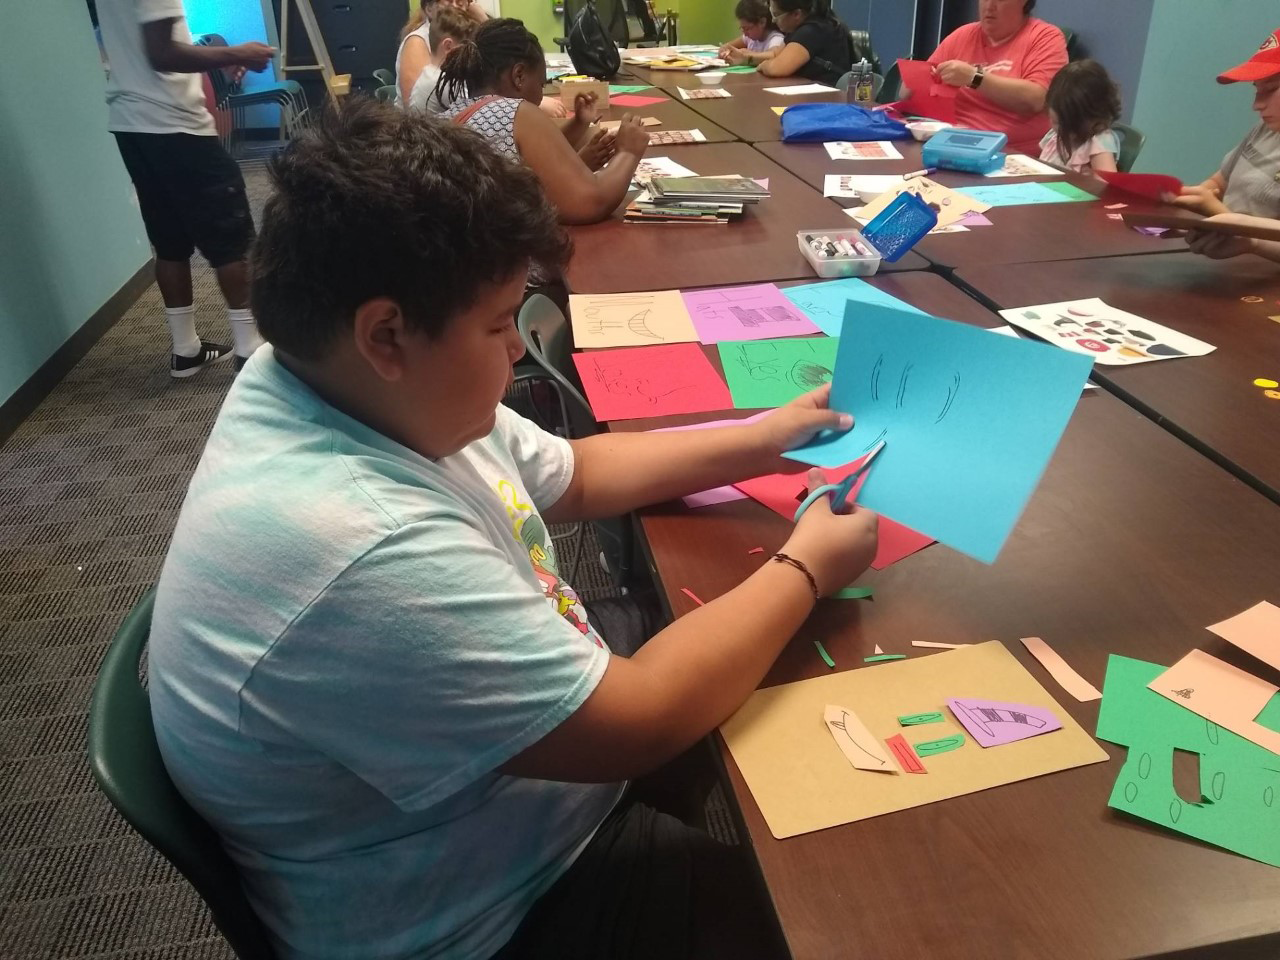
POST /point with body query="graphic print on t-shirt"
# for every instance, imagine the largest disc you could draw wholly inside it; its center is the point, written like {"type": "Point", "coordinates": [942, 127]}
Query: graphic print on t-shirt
{"type": "Point", "coordinates": [529, 528]}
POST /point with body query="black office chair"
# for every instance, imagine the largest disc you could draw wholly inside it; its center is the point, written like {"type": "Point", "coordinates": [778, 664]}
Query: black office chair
{"type": "Point", "coordinates": [890, 86]}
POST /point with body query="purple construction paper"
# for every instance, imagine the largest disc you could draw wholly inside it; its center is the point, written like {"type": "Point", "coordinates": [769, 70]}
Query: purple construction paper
{"type": "Point", "coordinates": [993, 722]}
{"type": "Point", "coordinates": [755, 312]}
{"type": "Point", "coordinates": [725, 494]}
{"type": "Point", "coordinates": [975, 220]}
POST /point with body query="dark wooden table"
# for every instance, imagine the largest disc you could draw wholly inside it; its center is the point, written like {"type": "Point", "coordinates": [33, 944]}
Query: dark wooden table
{"type": "Point", "coordinates": [1023, 234]}
{"type": "Point", "coordinates": [670, 80]}
{"type": "Point", "coordinates": [674, 115]}
{"type": "Point", "coordinates": [1107, 559]}
{"type": "Point", "coordinates": [1209, 401]}
{"type": "Point", "coordinates": [748, 114]}
{"type": "Point", "coordinates": [616, 257]}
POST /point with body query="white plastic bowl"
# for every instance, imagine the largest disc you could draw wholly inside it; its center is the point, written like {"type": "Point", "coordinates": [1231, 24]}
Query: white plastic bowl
{"type": "Point", "coordinates": [924, 129]}
{"type": "Point", "coordinates": [711, 78]}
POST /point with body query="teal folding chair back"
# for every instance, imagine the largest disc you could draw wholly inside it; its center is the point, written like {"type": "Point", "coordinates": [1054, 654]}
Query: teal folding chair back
{"type": "Point", "coordinates": [386, 94]}
{"type": "Point", "coordinates": [545, 333]}
{"type": "Point", "coordinates": [384, 77]}
{"type": "Point", "coordinates": [1131, 142]}
{"type": "Point", "coordinates": [126, 763]}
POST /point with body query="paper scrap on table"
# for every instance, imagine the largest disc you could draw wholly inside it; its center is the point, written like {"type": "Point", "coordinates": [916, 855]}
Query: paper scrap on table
{"type": "Point", "coordinates": [632, 100]}
{"type": "Point", "coordinates": [727, 493]}
{"type": "Point", "coordinates": [651, 167]}
{"type": "Point", "coordinates": [825, 303]}
{"type": "Point", "coordinates": [950, 205]}
{"type": "Point", "coordinates": [884, 657]}
{"type": "Point", "coordinates": [1022, 194]}
{"type": "Point", "coordinates": [665, 138]}
{"type": "Point", "coordinates": [741, 68]}
{"type": "Point", "coordinates": [758, 311]}
{"type": "Point", "coordinates": [704, 93]}
{"type": "Point", "coordinates": [917, 719]}
{"type": "Point", "coordinates": [801, 89]}
{"type": "Point", "coordinates": [855, 186]}
{"type": "Point", "coordinates": [769, 373]}
{"type": "Point", "coordinates": [905, 756]}
{"type": "Point", "coordinates": [1060, 670]}
{"type": "Point", "coordinates": [650, 382]}
{"type": "Point", "coordinates": [855, 741]}
{"type": "Point", "coordinates": [853, 593]}
{"type": "Point", "coordinates": [1020, 165]}
{"type": "Point", "coordinates": [800, 785]}
{"type": "Point", "coordinates": [935, 645]}
{"type": "Point", "coordinates": [994, 723]}
{"type": "Point", "coordinates": [863, 150]}
{"type": "Point", "coordinates": [629, 319]}
{"type": "Point", "coordinates": [1116, 206]}
{"type": "Point", "coordinates": [970, 421]}
{"type": "Point", "coordinates": [877, 649]}
{"type": "Point", "coordinates": [1110, 336]}
{"type": "Point", "coordinates": [1217, 691]}
{"type": "Point", "coordinates": [779, 110]}
{"type": "Point", "coordinates": [628, 87]}
{"type": "Point", "coordinates": [1256, 631]}
{"type": "Point", "coordinates": [1237, 777]}
{"type": "Point", "coordinates": [926, 97]}
{"type": "Point", "coordinates": [931, 748]}
{"type": "Point", "coordinates": [613, 125]}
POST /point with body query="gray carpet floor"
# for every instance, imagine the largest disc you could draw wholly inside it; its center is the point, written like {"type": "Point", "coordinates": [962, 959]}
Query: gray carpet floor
{"type": "Point", "coordinates": [90, 488]}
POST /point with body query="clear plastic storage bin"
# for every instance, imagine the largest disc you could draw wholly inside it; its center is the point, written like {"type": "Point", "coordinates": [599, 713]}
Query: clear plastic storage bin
{"type": "Point", "coordinates": [840, 264]}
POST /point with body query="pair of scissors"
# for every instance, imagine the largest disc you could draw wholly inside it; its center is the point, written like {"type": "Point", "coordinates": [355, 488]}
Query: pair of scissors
{"type": "Point", "coordinates": [839, 491]}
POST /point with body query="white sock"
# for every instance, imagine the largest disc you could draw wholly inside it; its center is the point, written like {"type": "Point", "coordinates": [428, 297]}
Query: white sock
{"type": "Point", "coordinates": [182, 327]}
{"type": "Point", "coordinates": [244, 332]}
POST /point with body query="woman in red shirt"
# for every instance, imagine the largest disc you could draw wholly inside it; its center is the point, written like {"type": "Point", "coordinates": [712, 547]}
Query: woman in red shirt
{"type": "Point", "coordinates": [1002, 65]}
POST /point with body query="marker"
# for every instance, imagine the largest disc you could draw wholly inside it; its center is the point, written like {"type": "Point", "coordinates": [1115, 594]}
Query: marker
{"type": "Point", "coordinates": [919, 173]}
{"type": "Point", "coordinates": [814, 245]}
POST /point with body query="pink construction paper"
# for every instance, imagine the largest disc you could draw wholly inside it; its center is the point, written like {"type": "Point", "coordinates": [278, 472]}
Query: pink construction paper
{"type": "Point", "coordinates": [655, 381]}
{"type": "Point", "coordinates": [727, 493]}
{"type": "Point", "coordinates": [635, 100]}
{"type": "Point", "coordinates": [975, 220]}
{"type": "Point", "coordinates": [994, 723]}
{"type": "Point", "coordinates": [755, 312]}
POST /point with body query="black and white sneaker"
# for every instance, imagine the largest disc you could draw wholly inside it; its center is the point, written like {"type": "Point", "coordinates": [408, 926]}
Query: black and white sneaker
{"type": "Point", "coordinates": [210, 353]}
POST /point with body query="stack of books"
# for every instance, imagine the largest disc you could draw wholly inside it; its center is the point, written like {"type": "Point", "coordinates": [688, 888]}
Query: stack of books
{"type": "Point", "coordinates": [694, 200]}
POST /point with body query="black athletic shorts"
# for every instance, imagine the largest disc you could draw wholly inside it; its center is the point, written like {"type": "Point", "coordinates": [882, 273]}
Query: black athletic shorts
{"type": "Point", "coordinates": [191, 194]}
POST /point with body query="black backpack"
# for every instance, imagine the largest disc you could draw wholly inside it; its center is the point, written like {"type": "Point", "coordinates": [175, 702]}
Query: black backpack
{"type": "Point", "coordinates": [592, 50]}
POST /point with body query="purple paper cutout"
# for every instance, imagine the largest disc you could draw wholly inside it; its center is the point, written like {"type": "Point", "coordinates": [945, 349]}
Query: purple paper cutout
{"type": "Point", "coordinates": [975, 220]}
{"type": "Point", "coordinates": [755, 312]}
{"type": "Point", "coordinates": [993, 723]}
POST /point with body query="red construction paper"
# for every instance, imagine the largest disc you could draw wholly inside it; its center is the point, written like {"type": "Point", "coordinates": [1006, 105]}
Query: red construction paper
{"type": "Point", "coordinates": [1153, 186]}
{"type": "Point", "coordinates": [655, 381]}
{"type": "Point", "coordinates": [929, 98]}
{"type": "Point", "coordinates": [783, 492]}
{"type": "Point", "coordinates": [905, 756]}
{"type": "Point", "coordinates": [634, 100]}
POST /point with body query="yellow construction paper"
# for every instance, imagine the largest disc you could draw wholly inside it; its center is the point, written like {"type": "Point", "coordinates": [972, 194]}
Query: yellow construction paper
{"type": "Point", "coordinates": [801, 784]}
{"type": "Point", "coordinates": [630, 319]}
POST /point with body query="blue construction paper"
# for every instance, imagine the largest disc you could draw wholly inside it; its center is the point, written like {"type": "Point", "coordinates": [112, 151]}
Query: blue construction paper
{"type": "Point", "coordinates": [824, 303]}
{"type": "Point", "coordinates": [1019, 194]}
{"type": "Point", "coordinates": [969, 421]}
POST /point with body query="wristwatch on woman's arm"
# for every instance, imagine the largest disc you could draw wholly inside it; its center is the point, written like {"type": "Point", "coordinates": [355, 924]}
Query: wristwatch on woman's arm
{"type": "Point", "coordinates": [978, 74]}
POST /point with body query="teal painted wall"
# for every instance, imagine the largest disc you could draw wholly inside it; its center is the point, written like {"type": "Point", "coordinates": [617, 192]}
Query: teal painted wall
{"type": "Point", "coordinates": [72, 235]}
{"type": "Point", "coordinates": [1190, 120]}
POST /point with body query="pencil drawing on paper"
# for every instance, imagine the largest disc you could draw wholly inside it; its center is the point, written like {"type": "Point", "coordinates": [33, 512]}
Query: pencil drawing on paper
{"type": "Point", "coordinates": [612, 379]}
{"type": "Point", "coordinates": [842, 725]}
{"type": "Point", "coordinates": [762, 361]}
{"type": "Point", "coordinates": [619, 313]}
{"type": "Point", "coordinates": [744, 307]}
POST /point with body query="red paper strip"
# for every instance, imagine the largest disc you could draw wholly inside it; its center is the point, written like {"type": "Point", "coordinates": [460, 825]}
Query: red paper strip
{"type": "Point", "coordinates": [692, 596]}
{"type": "Point", "coordinates": [905, 756]}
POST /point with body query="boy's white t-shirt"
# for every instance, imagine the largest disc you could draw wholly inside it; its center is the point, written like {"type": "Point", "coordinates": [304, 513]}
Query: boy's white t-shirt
{"type": "Point", "coordinates": [349, 640]}
{"type": "Point", "coordinates": [139, 98]}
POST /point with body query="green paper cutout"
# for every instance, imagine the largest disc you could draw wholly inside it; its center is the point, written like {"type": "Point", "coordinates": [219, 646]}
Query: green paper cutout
{"type": "Point", "coordinates": [852, 593]}
{"type": "Point", "coordinates": [880, 657]}
{"type": "Point", "coordinates": [1069, 190]}
{"type": "Point", "coordinates": [945, 745]}
{"type": "Point", "coordinates": [915, 719]}
{"type": "Point", "coordinates": [744, 68]}
{"type": "Point", "coordinates": [823, 653]}
{"type": "Point", "coordinates": [769, 373]}
{"type": "Point", "coordinates": [628, 87]}
{"type": "Point", "coordinates": [1239, 781]}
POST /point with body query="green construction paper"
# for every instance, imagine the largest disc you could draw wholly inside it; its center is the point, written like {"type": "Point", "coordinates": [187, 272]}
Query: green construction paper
{"type": "Point", "coordinates": [628, 87]}
{"type": "Point", "coordinates": [769, 373]}
{"type": "Point", "coordinates": [880, 657]}
{"type": "Point", "coordinates": [1069, 190]}
{"type": "Point", "coordinates": [744, 68]}
{"type": "Point", "coordinates": [915, 719]}
{"type": "Point", "coordinates": [1130, 713]}
{"type": "Point", "coordinates": [1242, 808]}
{"type": "Point", "coordinates": [822, 651]}
{"type": "Point", "coordinates": [931, 747]}
{"type": "Point", "coordinates": [852, 593]}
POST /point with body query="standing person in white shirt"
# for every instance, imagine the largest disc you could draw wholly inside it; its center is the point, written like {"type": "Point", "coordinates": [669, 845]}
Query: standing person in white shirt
{"type": "Point", "coordinates": [190, 191]}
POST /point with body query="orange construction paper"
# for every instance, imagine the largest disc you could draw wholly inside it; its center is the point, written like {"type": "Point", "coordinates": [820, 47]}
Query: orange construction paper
{"type": "Point", "coordinates": [1256, 631]}
{"type": "Point", "coordinates": [1222, 693]}
{"type": "Point", "coordinates": [1060, 670]}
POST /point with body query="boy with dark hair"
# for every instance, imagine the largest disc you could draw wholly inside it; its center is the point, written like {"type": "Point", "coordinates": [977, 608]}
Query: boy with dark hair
{"type": "Point", "coordinates": [190, 191]}
{"type": "Point", "coordinates": [365, 670]}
